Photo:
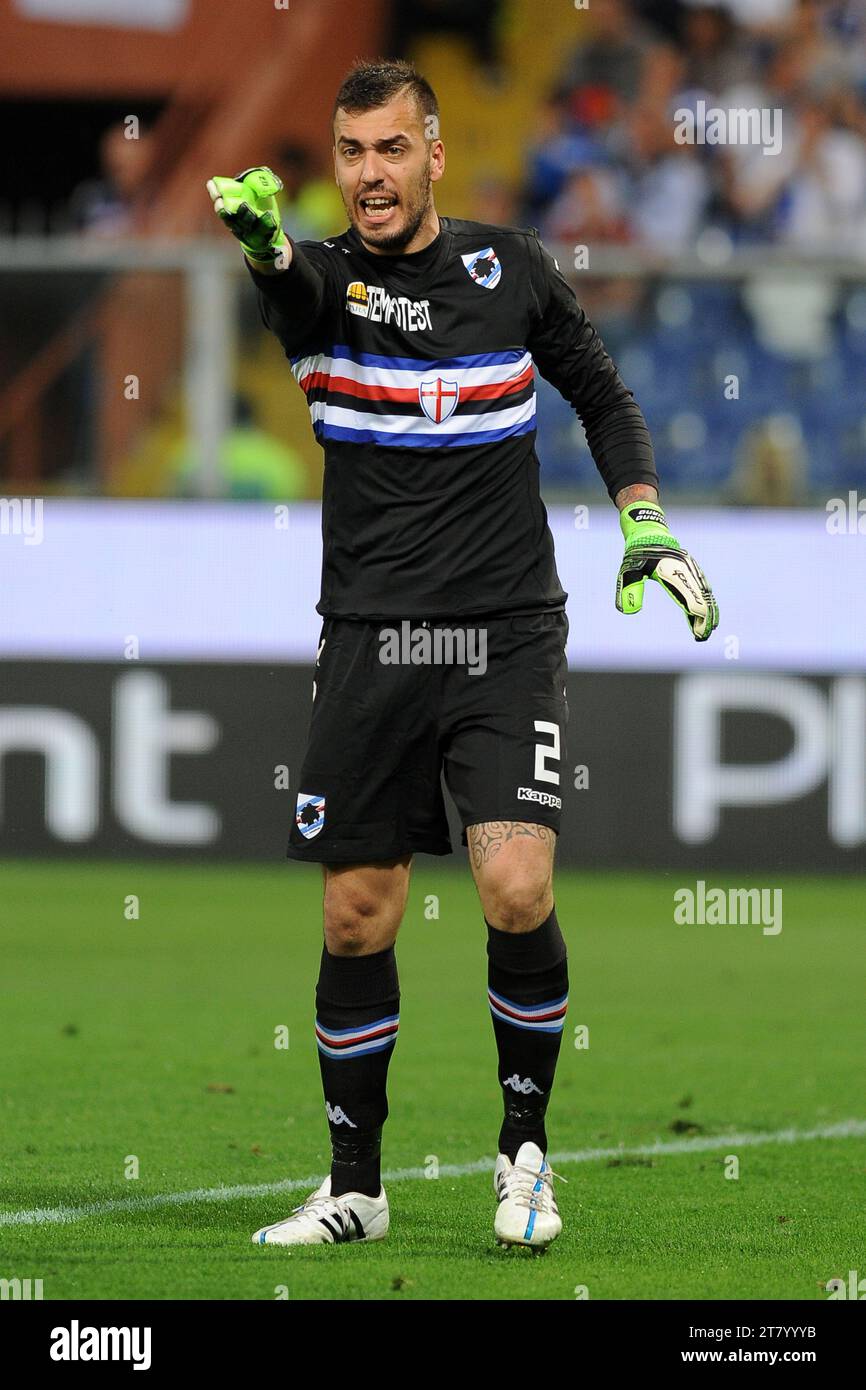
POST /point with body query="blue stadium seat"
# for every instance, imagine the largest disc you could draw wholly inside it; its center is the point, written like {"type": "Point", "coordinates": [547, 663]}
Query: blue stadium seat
{"type": "Point", "coordinates": [692, 453]}
{"type": "Point", "coordinates": [678, 363]}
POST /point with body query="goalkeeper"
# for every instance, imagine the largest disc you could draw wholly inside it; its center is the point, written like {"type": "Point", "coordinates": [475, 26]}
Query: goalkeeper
{"type": "Point", "coordinates": [415, 339]}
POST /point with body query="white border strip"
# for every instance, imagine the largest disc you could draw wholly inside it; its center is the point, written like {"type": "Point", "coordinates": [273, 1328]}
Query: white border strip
{"type": "Point", "coordinates": [217, 581]}
{"type": "Point", "coordinates": [39, 1216]}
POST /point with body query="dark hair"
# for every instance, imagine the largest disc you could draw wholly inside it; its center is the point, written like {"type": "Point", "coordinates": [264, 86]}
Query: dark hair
{"type": "Point", "coordinates": [369, 85]}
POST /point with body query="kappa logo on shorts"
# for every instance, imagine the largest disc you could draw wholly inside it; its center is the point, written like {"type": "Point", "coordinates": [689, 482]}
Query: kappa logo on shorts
{"type": "Point", "coordinates": [309, 814]}
{"type": "Point", "coordinates": [544, 798]}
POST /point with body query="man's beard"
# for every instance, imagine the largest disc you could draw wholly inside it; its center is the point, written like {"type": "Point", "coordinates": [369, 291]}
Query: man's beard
{"type": "Point", "coordinates": [416, 211]}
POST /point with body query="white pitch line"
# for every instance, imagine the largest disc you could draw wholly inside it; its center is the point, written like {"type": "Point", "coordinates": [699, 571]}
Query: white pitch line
{"type": "Point", "coordinates": [701, 1143]}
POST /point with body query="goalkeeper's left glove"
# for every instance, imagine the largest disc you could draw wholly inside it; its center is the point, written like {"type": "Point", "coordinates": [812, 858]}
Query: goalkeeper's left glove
{"type": "Point", "coordinates": [651, 552]}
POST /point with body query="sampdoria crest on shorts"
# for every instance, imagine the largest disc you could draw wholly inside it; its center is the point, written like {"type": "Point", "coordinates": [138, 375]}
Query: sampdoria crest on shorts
{"type": "Point", "coordinates": [484, 267]}
{"type": "Point", "coordinates": [309, 814]}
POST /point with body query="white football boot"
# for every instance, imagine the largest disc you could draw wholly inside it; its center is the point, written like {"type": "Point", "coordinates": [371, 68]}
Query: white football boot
{"type": "Point", "coordinates": [326, 1220]}
{"type": "Point", "coordinates": [527, 1213]}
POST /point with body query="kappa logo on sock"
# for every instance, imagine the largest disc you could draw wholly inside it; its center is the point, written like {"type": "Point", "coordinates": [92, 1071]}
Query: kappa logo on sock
{"type": "Point", "coordinates": [338, 1116]}
{"type": "Point", "coordinates": [523, 1088]}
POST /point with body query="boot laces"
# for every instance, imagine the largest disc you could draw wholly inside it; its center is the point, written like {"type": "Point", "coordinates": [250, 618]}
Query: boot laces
{"type": "Point", "coordinates": [520, 1184]}
{"type": "Point", "coordinates": [316, 1207]}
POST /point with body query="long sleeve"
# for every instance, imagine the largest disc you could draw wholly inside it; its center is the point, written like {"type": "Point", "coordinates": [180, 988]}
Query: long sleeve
{"type": "Point", "coordinates": [571, 356]}
{"type": "Point", "coordinates": [298, 302]}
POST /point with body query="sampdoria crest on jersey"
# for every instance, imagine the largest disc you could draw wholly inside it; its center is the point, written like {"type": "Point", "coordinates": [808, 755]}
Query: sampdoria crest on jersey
{"type": "Point", "coordinates": [309, 814]}
{"type": "Point", "coordinates": [484, 267]}
{"type": "Point", "coordinates": [438, 398]}
{"type": "Point", "coordinates": [357, 299]}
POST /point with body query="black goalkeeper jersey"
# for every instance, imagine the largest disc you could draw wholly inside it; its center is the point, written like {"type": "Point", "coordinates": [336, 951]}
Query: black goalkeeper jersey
{"type": "Point", "coordinates": [419, 374]}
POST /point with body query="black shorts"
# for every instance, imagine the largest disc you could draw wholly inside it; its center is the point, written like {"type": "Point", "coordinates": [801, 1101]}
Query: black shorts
{"type": "Point", "coordinates": [483, 702]}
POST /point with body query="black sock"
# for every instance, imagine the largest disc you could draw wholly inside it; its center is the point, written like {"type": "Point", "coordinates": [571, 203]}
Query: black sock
{"type": "Point", "coordinates": [528, 996]}
{"type": "Point", "coordinates": [357, 1013]}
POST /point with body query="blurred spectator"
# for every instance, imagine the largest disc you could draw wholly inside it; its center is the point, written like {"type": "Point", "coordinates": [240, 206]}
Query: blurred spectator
{"type": "Point", "coordinates": [761, 16]}
{"type": "Point", "coordinates": [669, 186]}
{"type": "Point", "coordinates": [104, 206]}
{"type": "Point", "coordinates": [590, 208]}
{"type": "Point", "coordinates": [492, 200]}
{"type": "Point", "coordinates": [846, 19]}
{"type": "Point", "coordinates": [771, 464]}
{"type": "Point", "coordinates": [827, 198]}
{"type": "Point", "coordinates": [310, 202]}
{"type": "Point", "coordinates": [812, 195]}
{"type": "Point", "coordinates": [613, 60]}
{"type": "Point", "coordinates": [663, 17]}
{"type": "Point", "coordinates": [819, 54]}
{"type": "Point", "coordinates": [253, 464]}
{"type": "Point", "coordinates": [560, 148]}
{"type": "Point", "coordinates": [715, 56]}
{"type": "Point", "coordinates": [476, 21]}
{"type": "Point", "coordinates": [604, 163]}
{"type": "Point", "coordinates": [751, 187]}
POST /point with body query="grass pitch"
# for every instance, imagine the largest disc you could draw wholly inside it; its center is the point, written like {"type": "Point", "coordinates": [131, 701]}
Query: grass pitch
{"type": "Point", "coordinates": [148, 1045]}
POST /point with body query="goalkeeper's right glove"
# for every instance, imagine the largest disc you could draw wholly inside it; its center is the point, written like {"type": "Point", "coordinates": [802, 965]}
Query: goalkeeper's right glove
{"type": "Point", "coordinates": [248, 206]}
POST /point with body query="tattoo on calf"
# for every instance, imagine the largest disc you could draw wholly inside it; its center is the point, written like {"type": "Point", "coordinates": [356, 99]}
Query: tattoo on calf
{"type": "Point", "coordinates": [486, 840]}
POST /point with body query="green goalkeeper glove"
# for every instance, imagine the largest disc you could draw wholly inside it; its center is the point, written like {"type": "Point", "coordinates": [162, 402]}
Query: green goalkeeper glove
{"type": "Point", "coordinates": [248, 206]}
{"type": "Point", "coordinates": [652, 553]}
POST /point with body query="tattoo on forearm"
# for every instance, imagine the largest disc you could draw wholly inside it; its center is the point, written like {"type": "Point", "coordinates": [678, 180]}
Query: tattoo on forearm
{"type": "Point", "coordinates": [486, 840]}
{"type": "Point", "coordinates": [636, 492]}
